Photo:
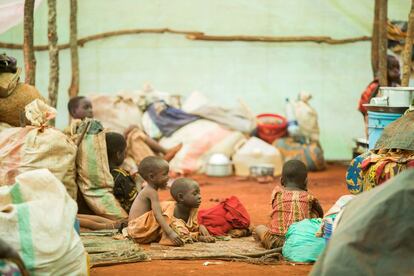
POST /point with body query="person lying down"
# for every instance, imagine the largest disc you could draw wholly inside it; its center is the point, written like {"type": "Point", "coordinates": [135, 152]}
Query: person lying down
{"type": "Point", "coordinates": [170, 222]}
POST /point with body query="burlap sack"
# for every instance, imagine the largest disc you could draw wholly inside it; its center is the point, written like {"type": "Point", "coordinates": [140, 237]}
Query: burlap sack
{"type": "Point", "coordinates": [8, 82]}
{"type": "Point", "coordinates": [13, 106]}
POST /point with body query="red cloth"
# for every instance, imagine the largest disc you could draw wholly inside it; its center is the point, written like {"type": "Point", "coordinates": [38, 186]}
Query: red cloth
{"type": "Point", "coordinates": [369, 92]}
{"type": "Point", "coordinates": [227, 215]}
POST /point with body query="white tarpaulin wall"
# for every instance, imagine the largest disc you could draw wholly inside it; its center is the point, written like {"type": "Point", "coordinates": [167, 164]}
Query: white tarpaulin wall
{"type": "Point", "coordinates": [262, 74]}
{"type": "Point", "coordinates": [11, 13]}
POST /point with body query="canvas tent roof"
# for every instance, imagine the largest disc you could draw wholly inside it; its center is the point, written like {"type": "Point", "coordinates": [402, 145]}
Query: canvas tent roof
{"type": "Point", "coordinates": [375, 233]}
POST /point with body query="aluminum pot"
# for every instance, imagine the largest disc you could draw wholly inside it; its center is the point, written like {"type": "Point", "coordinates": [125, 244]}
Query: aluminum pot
{"type": "Point", "coordinates": [219, 165]}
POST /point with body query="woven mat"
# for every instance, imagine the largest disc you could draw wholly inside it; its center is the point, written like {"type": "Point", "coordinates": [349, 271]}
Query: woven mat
{"type": "Point", "coordinates": [104, 250]}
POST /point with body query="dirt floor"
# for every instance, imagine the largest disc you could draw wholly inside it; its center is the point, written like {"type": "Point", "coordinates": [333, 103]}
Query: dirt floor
{"type": "Point", "coordinates": [327, 186]}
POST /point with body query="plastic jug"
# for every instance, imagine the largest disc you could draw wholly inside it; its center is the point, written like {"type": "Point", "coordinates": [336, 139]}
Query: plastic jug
{"type": "Point", "coordinates": [292, 125]}
{"type": "Point", "coordinates": [256, 152]}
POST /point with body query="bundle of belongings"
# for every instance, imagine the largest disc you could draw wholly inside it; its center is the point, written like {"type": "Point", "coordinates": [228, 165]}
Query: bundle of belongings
{"type": "Point", "coordinates": [304, 144]}
{"type": "Point", "coordinates": [155, 114]}
{"type": "Point", "coordinates": [306, 239]}
{"type": "Point", "coordinates": [393, 153]}
{"type": "Point", "coordinates": [37, 218]}
{"type": "Point", "coordinates": [37, 146]}
{"type": "Point", "coordinates": [373, 234]}
{"type": "Point", "coordinates": [14, 95]}
{"type": "Point", "coordinates": [92, 168]}
{"type": "Point", "coordinates": [227, 215]}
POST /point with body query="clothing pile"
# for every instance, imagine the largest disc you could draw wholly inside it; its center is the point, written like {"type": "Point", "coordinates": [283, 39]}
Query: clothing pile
{"type": "Point", "coordinates": [393, 153]}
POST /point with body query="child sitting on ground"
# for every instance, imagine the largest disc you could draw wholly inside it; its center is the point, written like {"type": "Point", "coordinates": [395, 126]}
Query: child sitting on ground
{"type": "Point", "coordinates": [80, 107]}
{"type": "Point", "coordinates": [170, 223]}
{"type": "Point", "coordinates": [126, 186]}
{"type": "Point", "coordinates": [290, 204]}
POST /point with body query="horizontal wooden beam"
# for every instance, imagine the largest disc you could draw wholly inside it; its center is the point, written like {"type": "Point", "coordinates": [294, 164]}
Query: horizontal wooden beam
{"type": "Point", "coordinates": [193, 35]}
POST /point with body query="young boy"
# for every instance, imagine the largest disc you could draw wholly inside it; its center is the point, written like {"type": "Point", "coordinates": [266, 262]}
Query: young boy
{"type": "Point", "coordinates": [393, 79]}
{"type": "Point", "coordinates": [80, 107]}
{"type": "Point", "coordinates": [125, 185]}
{"type": "Point", "coordinates": [150, 221]}
{"type": "Point", "coordinates": [290, 204]}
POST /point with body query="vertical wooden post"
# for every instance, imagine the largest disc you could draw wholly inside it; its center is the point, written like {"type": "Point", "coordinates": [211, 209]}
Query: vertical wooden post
{"type": "Point", "coordinates": [408, 48]}
{"type": "Point", "coordinates": [375, 40]}
{"type": "Point", "coordinates": [383, 43]}
{"type": "Point", "coordinates": [53, 54]}
{"type": "Point", "coordinates": [28, 52]}
{"type": "Point", "coordinates": [74, 85]}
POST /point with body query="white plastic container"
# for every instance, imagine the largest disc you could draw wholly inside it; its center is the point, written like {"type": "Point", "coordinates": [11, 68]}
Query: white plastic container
{"type": "Point", "coordinates": [398, 96]}
{"type": "Point", "coordinates": [255, 152]}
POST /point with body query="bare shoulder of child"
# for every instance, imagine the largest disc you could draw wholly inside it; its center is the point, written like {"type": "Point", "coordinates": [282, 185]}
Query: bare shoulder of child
{"type": "Point", "coordinates": [154, 170]}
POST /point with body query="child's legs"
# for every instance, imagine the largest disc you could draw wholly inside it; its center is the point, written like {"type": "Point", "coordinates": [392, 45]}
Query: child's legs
{"type": "Point", "coordinates": [260, 231]}
{"type": "Point", "coordinates": [268, 239]}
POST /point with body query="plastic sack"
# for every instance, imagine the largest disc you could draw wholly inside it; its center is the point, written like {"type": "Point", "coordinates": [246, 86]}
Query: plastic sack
{"type": "Point", "coordinates": [200, 139]}
{"type": "Point", "coordinates": [37, 147]}
{"type": "Point", "coordinates": [307, 117]}
{"type": "Point", "coordinates": [94, 178]}
{"type": "Point", "coordinates": [233, 118]}
{"type": "Point", "coordinates": [301, 244]}
{"type": "Point", "coordinates": [37, 219]}
{"type": "Point", "coordinates": [116, 113]}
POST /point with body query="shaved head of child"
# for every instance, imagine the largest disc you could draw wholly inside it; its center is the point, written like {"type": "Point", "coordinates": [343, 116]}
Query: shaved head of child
{"type": "Point", "coordinates": [80, 107]}
{"type": "Point", "coordinates": [115, 147]}
{"type": "Point", "coordinates": [294, 175]}
{"type": "Point", "coordinates": [187, 192]}
{"type": "Point", "coordinates": [154, 170]}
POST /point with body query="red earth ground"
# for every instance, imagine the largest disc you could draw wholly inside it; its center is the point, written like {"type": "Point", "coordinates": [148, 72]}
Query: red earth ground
{"type": "Point", "coordinates": [327, 186]}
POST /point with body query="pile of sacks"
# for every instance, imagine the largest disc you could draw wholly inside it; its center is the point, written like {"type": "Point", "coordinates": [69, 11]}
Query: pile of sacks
{"type": "Point", "coordinates": [204, 129]}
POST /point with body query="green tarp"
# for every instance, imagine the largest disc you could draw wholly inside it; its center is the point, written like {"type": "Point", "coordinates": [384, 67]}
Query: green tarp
{"type": "Point", "coordinates": [375, 235]}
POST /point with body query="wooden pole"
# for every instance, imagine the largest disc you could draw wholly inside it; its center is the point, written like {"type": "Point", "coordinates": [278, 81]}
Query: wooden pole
{"type": "Point", "coordinates": [408, 48]}
{"type": "Point", "coordinates": [53, 54]}
{"type": "Point", "coordinates": [375, 40]}
{"type": "Point", "coordinates": [383, 43]}
{"type": "Point", "coordinates": [73, 42]}
{"type": "Point", "coordinates": [28, 52]}
{"type": "Point", "coordinates": [193, 35]}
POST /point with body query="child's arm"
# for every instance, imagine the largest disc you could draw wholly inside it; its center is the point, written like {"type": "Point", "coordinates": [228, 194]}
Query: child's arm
{"type": "Point", "coordinates": [205, 235]}
{"type": "Point", "coordinates": [317, 207]}
{"type": "Point", "coordinates": [156, 209]}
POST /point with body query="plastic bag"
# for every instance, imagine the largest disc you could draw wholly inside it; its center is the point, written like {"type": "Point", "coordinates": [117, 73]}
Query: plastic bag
{"type": "Point", "coordinates": [301, 244]}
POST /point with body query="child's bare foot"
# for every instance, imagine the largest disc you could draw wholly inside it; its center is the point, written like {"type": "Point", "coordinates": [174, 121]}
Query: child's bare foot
{"type": "Point", "coordinates": [239, 233]}
{"type": "Point", "coordinates": [207, 239]}
{"type": "Point", "coordinates": [172, 152]}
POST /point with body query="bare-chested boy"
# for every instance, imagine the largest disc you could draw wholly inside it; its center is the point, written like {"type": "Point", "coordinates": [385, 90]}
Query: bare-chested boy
{"type": "Point", "coordinates": [169, 222]}
{"type": "Point", "coordinates": [154, 170]}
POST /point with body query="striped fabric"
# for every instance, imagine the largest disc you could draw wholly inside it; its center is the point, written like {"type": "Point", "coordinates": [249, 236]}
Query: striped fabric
{"type": "Point", "coordinates": [93, 176]}
{"type": "Point", "coordinates": [289, 207]}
